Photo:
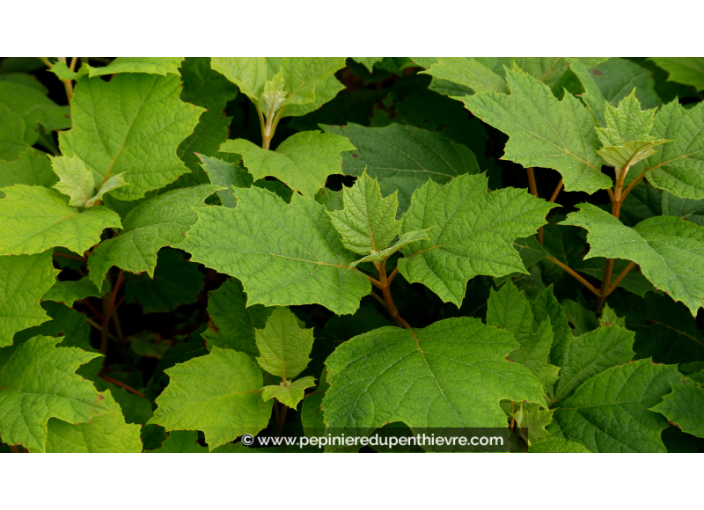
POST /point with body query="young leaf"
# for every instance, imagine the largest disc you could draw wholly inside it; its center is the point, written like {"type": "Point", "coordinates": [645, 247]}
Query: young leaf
{"type": "Point", "coordinates": [283, 345]}
{"type": "Point", "coordinates": [37, 383]}
{"type": "Point", "coordinates": [535, 419]}
{"type": "Point", "coordinates": [450, 374]}
{"type": "Point", "coordinates": [233, 324]}
{"type": "Point", "coordinates": [291, 254]}
{"type": "Point", "coordinates": [23, 281]}
{"type": "Point", "coordinates": [684, 407]}
{"type": "Point", "coordinates": [687, 70]}
{"type": "Point", "coordinates": [610, 412]}
{"type": "Point", "coordinates": [155, 223]}
{"type": "Point", "coordinates": [303, 161]}
{"type": "Point", "coordinates": [669, 250]}
{"type": "Point", "coordinates": [140, 138]}
{"type": "Point", "coordinates": [33, 219]}
{"type": "Point", "coordinates": [151, 65]}
{"type": "Point", "coordinates": [288, 393]}
{"type": "Point", "coordinates": [544, 132]}
{"type": "Point", "coordinates": [108, 433]}
{"type": "Point", "coordinates": [405, 239]}
{"type": "Point", "coordinates": [217, 394]}
{"type": "Point", "coordinates": [75, 180]}
{"type": "Point", "coordinates": [474, 233]}
{"type": "Point", "coordinates": [368, 222]}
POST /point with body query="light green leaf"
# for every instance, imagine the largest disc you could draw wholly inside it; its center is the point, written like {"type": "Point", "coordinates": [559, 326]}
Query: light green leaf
{"type": "Point", "coordinates": [450, 374]}
{"type": "Point", "coordinates": [405, 239]}
{"type": "Point", "coordinates": [626, 123]}
{"type": "Point", "coordinates": [687, 70]}
{"type": "Point", "coordinates": [630, 154]}
{"type": "Point", "coordinates": [104, 434]}
{"type": "Point", "coordinates": [23, 281]}
{"type": "Point", "coordinates": [544, 132]}
{"type": "Point", "coordinates": [228, 175]}
{"type": "Point", "coordinates": [546, 69]}
{"type": "Point", "coordinates": [303, 161]}
{"type": "Point", "coordinates": [679, 166]}
{"type": "Point", "coordinates": [684, 407]}
{"type": "Point", "coordinates": [552, 444]}
{"type": "Point", "coordinates": [33, 219]}
{"type": "Point", "coordinates": [114, 182]}
{"type": "Point", "coordinates": [284, 346]}
{"type": "Point", "coordinates": [155, 223]}
{"type": "Point", "coordinates": [37, 383]}
{"type": "Point", "coordinates": [474, 235]}
{"type": "Point", "coordinates": [273, 96]}
{"type": "Point", "coordinates": [75, 180]}
{"type": "Point", "coordinates": [62, 71]}
{"type": "Point", "coordinates": [34, 108]}
{"type": "Point", "coordinates": [249, 74]}
{"type": "Point", "coordinates": [139, 138]}
{"type": "Point", "coordinates": [469, 72]}
{"type": "Point", "coordinates": [288, 393]}
{"type": "Point", "coordinates": [31, 167]}
{"type": "Point", "coordinates": [291, 255]}
{"type": "Point", "coordinates": [67, 292]}
{"type": "Point", "coordinates": [217, 394]}
{"type": "Point", "coordinates": [610, 412]}
{"type": "Point", "coordinates": [176, 282]}
{"type": "Point", "coordinates": [12, 127]}
{"type": "Point", "coordinates": [150, 65]}
{"type": "Point", "coordinates": [535, 419]}
{"type": "Point", "coordinates": [367, 224]}
{"type": "Point", "coordinates": [233, 324]}
{"type": "Point", "coordinates": [669, 250]}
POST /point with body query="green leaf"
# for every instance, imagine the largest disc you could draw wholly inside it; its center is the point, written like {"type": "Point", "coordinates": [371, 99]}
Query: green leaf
{"type": "Point", "coordinates": [535, 419]}
{"type": "Point", "coordinates": [679, 166]}
{"type": "Point", "coordinates": [151, 65]}
{"type": "Point", "coordinates": [155, 223]}
{"type": "Point", "coordinates": [34, 219]}
{"type": "Point", "coordinates": [217, 394]}
{"type": "Point", "coordinates": [368, 62]}
{"type": "Point", "coordinates": [202, 86]}
{"type": "Point", "coordinates": [181, 441]}
{"type": "Point", "coordinates": [283, 345]}
{"type": "Point", "coordinates": [31, 167]}
{"type": "Point", "coordinates": [67, 292]}
{"type": "Point", "coordinates": [303, 161]}
{"type": "Point", "coordinates": [23, 281]}
{"type": "Point", "coordinates": [103, 434]}
{"type": "Point", "coordinates": [684, 407]}
{"type": "Point", "coordinates": [609, 318]}
{"type": "Point", "coordinates": [367, 224]}
{"type": "Point", "coordinates": [139, 138]}
{"type": "Point", "coordinates": [610, 412]}
{"type": "Point", "coordinates": [544, 132]}
{"type": "Point", "coordinates": [12, 127]}
{"type": "Point", "coordinates": [149, 345]}
{"type": "Point", "coordinates": [470, 72]}
{"type": "Point", "coordinates": [66, 323]}
{"type": "Point", "coordinates": [288, 393]}
{"type": "Point", "coordinates": [233, 324]}
{"type": "Point", "coordinates": [617, 77]}
{"type": "Point", "coordinates": [34, 108]}
{"type": "Point", "coordinates": [37, 383]}
{"type": "Point", "coordinates": [509, 309]}
{"type": "Point", "coordinates": [405, 239]}
{"type": "Point", "coordinates": [474, 235]}
{"type": "Point", "coordinates": [75, 180]}
{"type": "Point", "coordinates": [450, 374]}
{"type": "Point", "coordinates": [687, 70]}
{"type": "Point", "coordinates": [668, 250]}
{"type": "Point", "coordinates": [228, 175]}
{"type": "Point", "coordinates": [211, 131]}
{"type": "Point", "coordinates": [176, 282]}
{"type": "Point", "coordinates": [291, 255]}
{"type": "Point", "coordinates": [552, 444]}
{"type": "Point", "coordinates": [249, 74]}
{"type": "Point", "coordinates": [62, 71]}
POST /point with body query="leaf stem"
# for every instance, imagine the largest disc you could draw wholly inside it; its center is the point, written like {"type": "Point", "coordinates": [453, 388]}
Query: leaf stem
{"type": "Point", "coordinates": [68, 84]}
{"type": "Point", "coordinates": [631, 186]}
{"type": "Point", "coordinates": [379, 299]}
{"type": "Point", "coordinates": [108, 307]}
{"type": "Point", "coordinates": [575, 274]}
{"type": "Point", "coordinates": [386, 291]}
{"type": "Point", "coordinates": [620, 277]}
{"type": "Point", "coordinates": [558, 188]}
{"type": "Point", "coordinates": [68, 256]}
{"type": "Point", "coordinates": [122, 385]}
{"type": "Point", "coordinates": [533, 187]}
{"type": "Point", "coordinates": [94, 310]}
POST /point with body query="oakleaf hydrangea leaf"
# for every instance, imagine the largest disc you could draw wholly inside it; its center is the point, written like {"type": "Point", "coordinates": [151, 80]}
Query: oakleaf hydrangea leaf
{"type": "Point", "coordinates": [283, 345]}
{"type": "Point", "coordinates": [65, 322]}
{"type": "Point", "coordinates": [34, 108]}
{"type": "Point", "coordinates": [181, 441]}
{"type": "Point", "coordinates": [405, 239]}
{"type": "Point", "coordinates": [450, 374]}
{"type": "Point", "coordinates": [103, 434]}
{"type": "Point", "coordinates": [232, 323]}
{"type": "Point", "coordinates": [67, 292]}
{"type": "Point", "coordinates": [368, 222]}
{"type": "Point", "coordinates": [470, 72]}
{"type": "Point", "coordinates": [150, 65]}
{"type": "Point", "coordinates": [139, 138]}
{"type": "Point", "coordinates": [544, 132]}
{"type": "Point", "coordinates": [203, 86]}
{"type": "Point", "coordinates": [37, 383]}
{"type": "Point", "coordinates": [23, 281]}
{"type": "Point", "coordinates": [610, 412]}
{"type": "Point", "coordinates": [218, 394]}
{"type": "Point", "coordinates": [32, 168]}
{"type": "Point", "coordinates": [535, 419]}
{"type": "Point", "coordinates": [368, 62]}
{"type": "Point", "coordinates": [684, 407]}
{"type": "Point", "coordinates": [12, 127]}
{"type": "Point", "coordinates": [626, 123]}
{"type": "Point", "coordinates": [155, 223]}
{"type": "Point", "coordinates": [284, 254]}
{"type": "Point", "coordinates": [474, 233]}
{"type": "Point", "coordinates": [679, 166]}
{"type": "Point", "coordinates": [75, 180]}
{"type": "Point", "coordinates": [227, 175]}
{"type": "Point", "coordinates": [303, 161]}
{"type": "Point", "coordinates": [249, 74]}
{"type": "Point", "coordinates": [669, 250]}
{"type": "Point", "coordinates": [288, 393]}
{"type": "Point", "coordinates": [552, 444]}
{"type": "Point", "coordinates": [34, 218]}
{"type": "Point", "coordinates": [687, 70]}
